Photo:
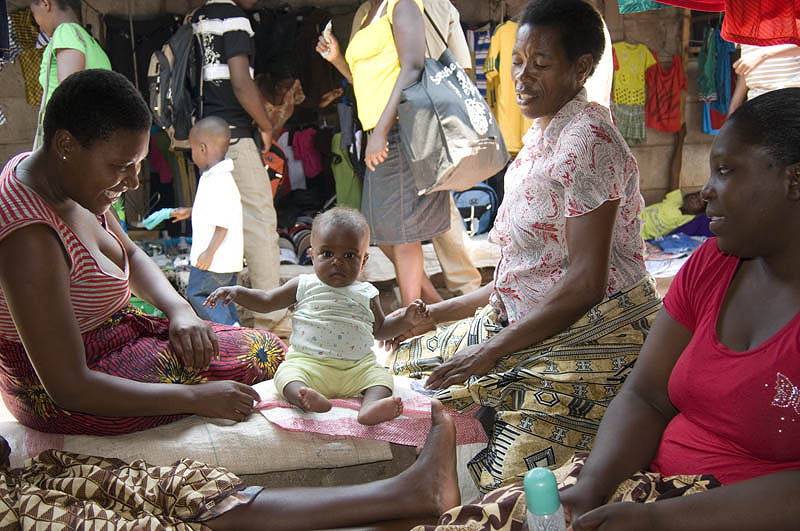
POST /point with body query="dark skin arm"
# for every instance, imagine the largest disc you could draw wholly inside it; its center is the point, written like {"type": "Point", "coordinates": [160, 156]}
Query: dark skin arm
{"type": "Point", "coordinates": [256, 299]}
{"type": "Point", "coordinates": [191, 338]}
{"type": "Point", "coordinates": [409, 39]}
{"type": "Point", "coordinates": [628, 440]}
{"type": "Point", "coordinates": [248, 95]}
{"type": "Point", "coordinates": [207, 256]}
{"type": "Point", "coordinates": [583, 286]}
{"type": "Point", "coordinates": [398, 322]}
{"type": "Point", "coordinates": [34, 277]}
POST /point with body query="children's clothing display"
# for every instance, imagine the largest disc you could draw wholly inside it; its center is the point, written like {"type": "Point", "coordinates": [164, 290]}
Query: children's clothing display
{"type": "Point", "coordinates": [664, 86]}
{"type": "Point", "coordinates": [479, 40]}
{"type": "Point", "coordinates": [632, 61]}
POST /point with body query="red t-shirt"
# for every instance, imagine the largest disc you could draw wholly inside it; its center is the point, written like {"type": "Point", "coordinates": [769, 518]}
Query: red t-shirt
{"type": "Point", "coordinates": [739, 412]}
{"type": "Point", "coordinates": [761, 23]}
{"type": "Point", "coordinates": [662, 111]}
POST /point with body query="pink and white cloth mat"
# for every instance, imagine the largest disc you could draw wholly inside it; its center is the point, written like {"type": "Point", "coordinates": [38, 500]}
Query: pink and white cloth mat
{"type": "Point", "coordinates": [410, 428]}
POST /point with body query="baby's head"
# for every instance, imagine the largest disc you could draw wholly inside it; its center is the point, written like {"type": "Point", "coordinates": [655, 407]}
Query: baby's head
{"type": "Point", "coordinates": [273, 87]}
{"type": "Point", "coordinates": [209, 139]}
{"type": "Point", "coordinates": [339, 243]}
{"type": "Point", "coordinates": [693, 204]}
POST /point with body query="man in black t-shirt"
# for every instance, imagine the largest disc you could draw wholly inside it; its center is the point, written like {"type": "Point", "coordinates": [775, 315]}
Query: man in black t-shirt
{"type": "Point", "coordinates": [229, 92]}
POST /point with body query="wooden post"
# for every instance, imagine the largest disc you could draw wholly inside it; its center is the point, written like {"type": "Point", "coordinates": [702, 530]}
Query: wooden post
{"type": "Point", "coordinates": [677, 156]}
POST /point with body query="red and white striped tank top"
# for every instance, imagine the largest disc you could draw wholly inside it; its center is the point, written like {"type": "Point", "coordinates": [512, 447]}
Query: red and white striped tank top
{"type": "Point", "coordinates": [95, 294]}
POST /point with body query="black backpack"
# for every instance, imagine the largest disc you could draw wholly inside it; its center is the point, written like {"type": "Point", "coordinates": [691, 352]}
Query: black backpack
{"type": "Point", "coordinates": [175, 82]}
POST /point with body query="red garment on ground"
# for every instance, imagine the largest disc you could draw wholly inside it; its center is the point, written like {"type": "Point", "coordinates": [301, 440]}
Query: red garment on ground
{"type": "Point", "coordinates": [739, 412]}
{"type": "Point", "coordinates": [662, 110]}
{"type": "Point", "coordinates": [758, 22]}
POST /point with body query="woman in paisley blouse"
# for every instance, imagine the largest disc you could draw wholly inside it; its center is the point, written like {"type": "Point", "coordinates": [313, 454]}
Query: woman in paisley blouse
{"type": "Point", "coordinates": [548, 343]}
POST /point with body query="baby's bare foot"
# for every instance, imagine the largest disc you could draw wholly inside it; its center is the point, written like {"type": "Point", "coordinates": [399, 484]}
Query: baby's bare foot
{"type": "Point", "coordinates": [312, 400]}
{"type": "Point", "coordinates": [380, 411]}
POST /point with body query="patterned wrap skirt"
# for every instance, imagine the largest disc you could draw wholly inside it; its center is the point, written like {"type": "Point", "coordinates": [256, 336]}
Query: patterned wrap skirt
{"type": "Point", "coordinates": [62, 490]}
{"type": "Point", "coordinates": [135, 346]}
{"type": "Point", "coordinates": [549, 398]}
{"type": "Point", "coordinates": [505, 509]}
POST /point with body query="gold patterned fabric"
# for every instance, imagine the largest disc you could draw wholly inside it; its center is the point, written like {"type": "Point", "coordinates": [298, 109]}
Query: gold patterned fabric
{"type": "Point", "coordinates": [550, 397]}
{"type": "Point", "coordinates": [505, 509]}
{"type": "Point", "coordinates": [62, 490]}
{"type": "Point", "coordinates": [30, 60]}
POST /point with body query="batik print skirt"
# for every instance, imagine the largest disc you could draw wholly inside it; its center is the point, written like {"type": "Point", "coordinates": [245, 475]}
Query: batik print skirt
{"type": "Point", "coordinates": [505, 509]}
{"type": "Point", "coordinates": [549, 398]}
{"type": "Point", "coordinates": [62, 490]}
{"type": "Point", "coordinates": [134, 346]}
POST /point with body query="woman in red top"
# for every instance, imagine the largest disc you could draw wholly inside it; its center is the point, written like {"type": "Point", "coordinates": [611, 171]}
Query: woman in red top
{"type": "Point", "coordinates": [74, 356]}
{"type": "Point", "coordinates": [707, 424]}
{"type": "Point", "coordinates": [714, 390]}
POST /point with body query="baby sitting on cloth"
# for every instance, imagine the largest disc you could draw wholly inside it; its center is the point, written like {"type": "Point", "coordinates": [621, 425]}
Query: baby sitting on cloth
{"type": "Point", "coordinates": [335, 322]}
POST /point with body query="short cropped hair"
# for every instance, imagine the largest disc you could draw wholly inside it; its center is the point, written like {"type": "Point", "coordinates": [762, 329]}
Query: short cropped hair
{"type": "Point", "coordinates": [74, 5]}
{"type": "Point", "coordinates": [578, 23]}
{"type": "Point", "coordinates": [92, 105]}
{"type": "Point", "coordinates": [343, 217]}
{"type": "Point", "coordinates": [772, 121]}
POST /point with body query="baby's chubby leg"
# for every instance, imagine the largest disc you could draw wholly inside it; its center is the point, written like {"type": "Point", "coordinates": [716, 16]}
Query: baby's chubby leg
{"type": "Point", "coordinates": [306, 398]}
{"type": "Point", "coordinates": [379, 406]}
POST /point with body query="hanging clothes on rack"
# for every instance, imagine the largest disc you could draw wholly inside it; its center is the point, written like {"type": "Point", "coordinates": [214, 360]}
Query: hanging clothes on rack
{"type": "Point", "coordinates": [724, 74]}
{"type": "Point", "coordinates": [663, 106]}
{"type": "Point", "coordinates": [637, 6]}
{"type": "Point", "coordinates": [478, 40]}
{"type": "Point", "coordinates": [707, 67]}
{"type": "Point", "coordinates": [761, 23]}
{"type": "Point", "coordinates": [631, 62]}
{"type": "Point", "coordinates": [30, 60]}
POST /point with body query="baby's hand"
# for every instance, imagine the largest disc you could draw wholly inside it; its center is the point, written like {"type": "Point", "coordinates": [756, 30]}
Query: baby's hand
{"type": "Point", "coordinates": [416, 312]}
{"type": "Point", "coordinates": [225, 295]}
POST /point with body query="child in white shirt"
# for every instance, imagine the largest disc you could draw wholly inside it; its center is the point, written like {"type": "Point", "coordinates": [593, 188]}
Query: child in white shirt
{"type": "Point", "coordinates": [217, 241]}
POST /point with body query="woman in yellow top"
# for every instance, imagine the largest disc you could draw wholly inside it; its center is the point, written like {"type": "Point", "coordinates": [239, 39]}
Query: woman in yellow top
{"type": "Point", "coordinates": [385, 56]}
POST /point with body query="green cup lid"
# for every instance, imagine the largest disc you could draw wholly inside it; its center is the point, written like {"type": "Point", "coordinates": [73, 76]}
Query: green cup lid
{"type": "Point", "coordinates": [541, 491]}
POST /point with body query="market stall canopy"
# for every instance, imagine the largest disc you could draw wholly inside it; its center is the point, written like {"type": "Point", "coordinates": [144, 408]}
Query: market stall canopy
{"type": "Point", "coordinates": [149, 8]}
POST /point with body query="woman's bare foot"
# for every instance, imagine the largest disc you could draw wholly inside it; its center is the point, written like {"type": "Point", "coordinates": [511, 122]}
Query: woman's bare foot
{"type": "Point", "coordinates": [377, 411]}
{"type": "Point", "coordinates": [312, 400]}
{"type": "Point", "coordinates": [432, 480]}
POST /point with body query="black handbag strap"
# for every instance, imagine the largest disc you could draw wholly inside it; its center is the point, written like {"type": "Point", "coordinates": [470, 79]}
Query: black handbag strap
{"type": "Point", "coordinates": [439, 33]}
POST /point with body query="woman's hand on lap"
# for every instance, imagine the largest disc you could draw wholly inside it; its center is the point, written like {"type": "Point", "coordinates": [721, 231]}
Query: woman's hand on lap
{"type": "Point", "coordinates": [224, 399]}
{"type": "Point", "coordinates": [621, 516]}
{"type": "Point", "coordinates": [474, 360]}
{"type": "Point", "coordinates": [193, 341]}
{"type": "Point", "coordinates": [579, 500]}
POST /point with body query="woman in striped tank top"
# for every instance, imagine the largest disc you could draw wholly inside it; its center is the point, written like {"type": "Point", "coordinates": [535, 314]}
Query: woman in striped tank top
{"type": "Point", "coordinates": [75, 357]}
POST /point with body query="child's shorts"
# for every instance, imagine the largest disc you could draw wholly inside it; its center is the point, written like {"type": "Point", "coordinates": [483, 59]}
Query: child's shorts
{"type": "Point", "coordinates": [332, 377]}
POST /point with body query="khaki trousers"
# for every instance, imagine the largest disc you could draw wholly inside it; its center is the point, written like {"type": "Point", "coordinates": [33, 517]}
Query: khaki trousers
{"type": "Point", "coordinates": [260, 223]}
